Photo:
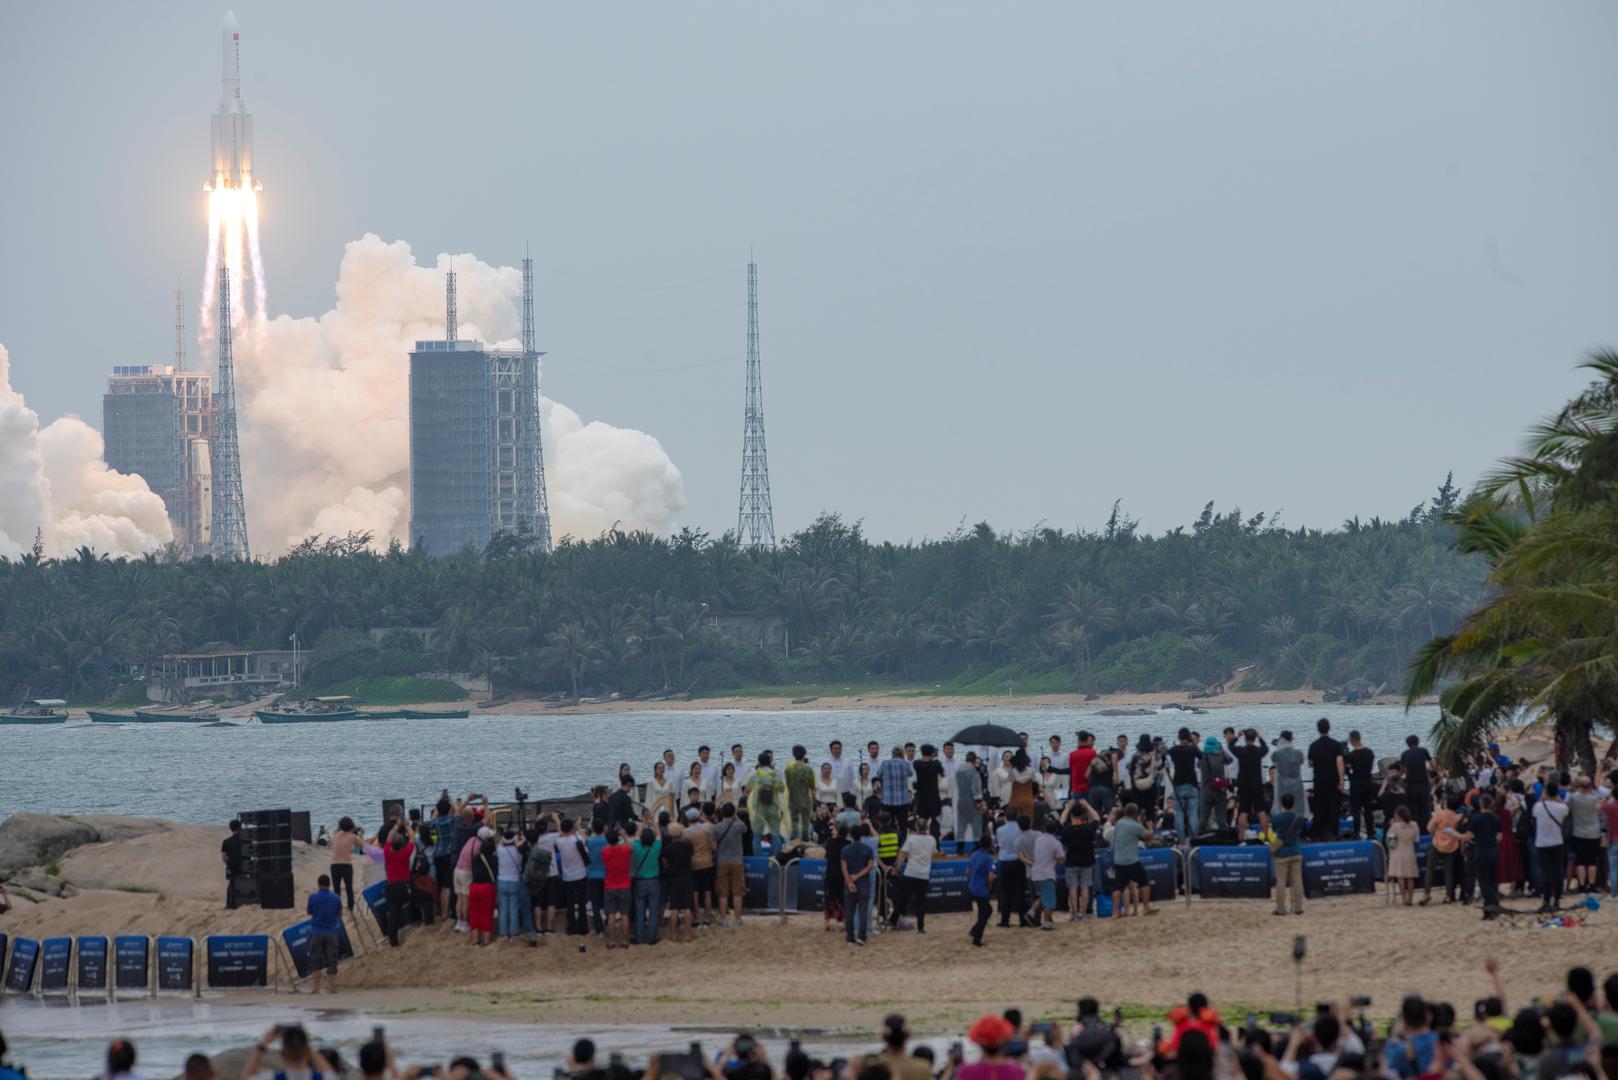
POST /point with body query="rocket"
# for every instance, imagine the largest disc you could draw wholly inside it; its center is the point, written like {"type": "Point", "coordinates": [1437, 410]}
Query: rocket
{"type": "Point", "coordinates": [232, 124]}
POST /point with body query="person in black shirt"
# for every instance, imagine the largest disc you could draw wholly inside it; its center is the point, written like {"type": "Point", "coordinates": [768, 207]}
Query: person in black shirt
{"type": "Point", "coordinates": [1486, 854]}
{"type": "Point", "coordinates": [1326, 762]}
{"type": "Point", "coordinates": [929, 774]}
{"type": "Point", "coordinates": [676, 859]}
{"type": "Point", "coordinates": [1081, 826]}
{"type": "Point", "coordinates": [230, 853]}
{"type": "Point", "coordinates": [1250, 781]}
{"type": "Point", "coordinates": [1361, 764]}
{"type": "Point", "coordinates": [1183, 757]}
{"type": "Point", "coordinates": [1418, 785]}
{"type": "Point", "coordinates": [621, 806]}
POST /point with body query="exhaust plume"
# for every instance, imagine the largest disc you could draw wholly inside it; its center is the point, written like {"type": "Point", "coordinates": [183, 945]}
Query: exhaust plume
{"type": "Point", "coordinates": [55, 485]}
{"type": "Point", "coordinates": [325, 410]}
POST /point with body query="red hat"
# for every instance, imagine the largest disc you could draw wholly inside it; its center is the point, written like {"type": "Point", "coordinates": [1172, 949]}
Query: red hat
{"type": "Point", "coordinates": [991, 1032]}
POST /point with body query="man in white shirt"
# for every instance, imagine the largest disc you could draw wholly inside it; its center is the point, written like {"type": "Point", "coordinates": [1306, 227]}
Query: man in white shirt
{"type": "Point", "coordinates": [912, 874]}
{"type": "Point", "coordinates": [744, 771]}
{"type": "Point", "coordinates": [843, 770]}
{"type": "Point", "coordinates": [710, 771]}
{"type": "Point", "coordinates": [946, 819]}
{"type": "Point", "coordinates": [672, 771]}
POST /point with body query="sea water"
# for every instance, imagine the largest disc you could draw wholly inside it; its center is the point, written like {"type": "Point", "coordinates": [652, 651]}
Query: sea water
{"type": "Point", "coordinates": [205, 775]}
{"type": "Point", "coordinates": [62, 1041]}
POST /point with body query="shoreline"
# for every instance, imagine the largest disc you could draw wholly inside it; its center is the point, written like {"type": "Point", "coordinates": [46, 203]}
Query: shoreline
{"type": "Point", "coordinates": [913, 699]}
{"type": "Point", "coordinates": [916, 700]}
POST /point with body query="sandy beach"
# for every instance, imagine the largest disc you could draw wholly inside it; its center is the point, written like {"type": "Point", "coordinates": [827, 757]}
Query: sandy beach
{"type": "Point", "coordinates": [168, 880]}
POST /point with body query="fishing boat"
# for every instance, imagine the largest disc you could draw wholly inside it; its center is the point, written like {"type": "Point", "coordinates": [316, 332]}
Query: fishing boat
{"type": "Point", "coordinates": [434, 714]}
{"type": "Point", "coordinates": [200, 713]}
{"type": "Point", "coordinates": [36, 711]}
{"type": "Point", "coordinates": [382, 714]}
{"type": "Point", "coordinates": [170, 715]}
{"type": "Point", "coordinates": [324, 710]}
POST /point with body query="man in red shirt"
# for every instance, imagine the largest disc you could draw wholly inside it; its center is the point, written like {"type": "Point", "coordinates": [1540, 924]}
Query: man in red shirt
{"type": "Point", "coordinates": [1078, 765]}
{"type": "Point", "coordinates": [396, 856]}
{"type": "Point", "coordinates": [615, 890]}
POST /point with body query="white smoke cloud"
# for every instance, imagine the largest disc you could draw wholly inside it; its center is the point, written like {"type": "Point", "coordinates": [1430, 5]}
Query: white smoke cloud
{"type": "Point", "coordinates": [54, 484]}
{"type": "Point", "coordinates": [324, 410]}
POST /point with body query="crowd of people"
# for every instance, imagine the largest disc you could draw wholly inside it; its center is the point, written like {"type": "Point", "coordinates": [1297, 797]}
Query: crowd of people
{"type": "Point", "coordinates": [659, 859]}
{"type": "Point", "coordinates": [1572, 1037]}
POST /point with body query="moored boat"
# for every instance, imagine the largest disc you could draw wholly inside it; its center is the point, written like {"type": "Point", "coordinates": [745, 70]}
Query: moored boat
{"type": "Point", "coordinates": [323, 710]}
{"type": "Point", "coordinates": [382, 714]}
{"type": "Point", "coordinates": [434, 714]}
{"type": "Point", "coordinates": [99, 717]}
{"type": "Point", "coordinates": [36, 711]}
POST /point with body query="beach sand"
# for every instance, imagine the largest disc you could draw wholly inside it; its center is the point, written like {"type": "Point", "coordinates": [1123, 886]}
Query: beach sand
{"type": "Point", "coordinates": [797, 975]}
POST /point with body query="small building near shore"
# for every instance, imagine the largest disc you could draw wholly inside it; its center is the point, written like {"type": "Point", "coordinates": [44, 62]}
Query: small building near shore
{"type": "Point", "coordinates": [220, 668]}
{"type": "Point", "coordinates": [762, 630]}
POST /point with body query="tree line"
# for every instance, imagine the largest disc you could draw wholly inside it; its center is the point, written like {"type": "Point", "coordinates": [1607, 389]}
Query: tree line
{"type": "Point", "coordinates": [1228, 600]}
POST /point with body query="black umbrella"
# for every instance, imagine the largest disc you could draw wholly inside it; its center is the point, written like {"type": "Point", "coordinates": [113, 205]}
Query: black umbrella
{"type": "Point", "coordinates": [987, 735]}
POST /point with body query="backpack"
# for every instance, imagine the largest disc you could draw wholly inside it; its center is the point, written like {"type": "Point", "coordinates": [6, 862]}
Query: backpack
{"type": "Point", "coordinates": [766, 791]}
{"type": "Point", "coordinates": [537, 869]}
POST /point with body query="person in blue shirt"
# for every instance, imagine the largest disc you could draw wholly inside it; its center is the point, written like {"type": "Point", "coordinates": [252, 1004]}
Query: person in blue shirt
{"type": "Point", "coordinates": [325, 910]}
{"type": "Point", "coordinates": [595, 877]}
{"type": "Point", "coordinates": [1287, 827]}
{"type": "Point", "coordinates": [980, 877]}
{"type": "Point", "coordinates": [1412, 1043]}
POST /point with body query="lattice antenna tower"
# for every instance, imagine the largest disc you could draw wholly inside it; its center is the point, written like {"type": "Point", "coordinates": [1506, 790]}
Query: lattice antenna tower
{"type": "Point", "coordinates": [229, 509]}
{"type": "Point", "coordinates": [542, 523]}
{"type": "Point", "coordinates": [451, 327]}
{"type": "Point", "coordinates": [755, 518]}
{"type": "Point", "coordinates": [179, 329]}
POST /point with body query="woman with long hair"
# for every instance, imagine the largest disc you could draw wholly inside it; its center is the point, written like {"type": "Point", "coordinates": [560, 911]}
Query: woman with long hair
{"type": "Point", "coordinates": [344, 842]}
{"type": "Point", "coordinates": [1401, 835]}
{"type": "Point", "coordinates": [660, 792]}
{"type": "Point", "coordinates": [999, 783]}
{"type": "Point", "coordinates": [480, 896]}
{"type": "Point", "coordinates": [826, 788]}
{"type": "Point", "coordinates": [1021, 798]}
{"type": "Point", "coordinates": [1510, 808]}
{"type": "Point", "coordinates": [693, 779]}
{"type": "Point", "coordinates": [729, 790]}
{"type": "Point", "coordinates": [864, 786]}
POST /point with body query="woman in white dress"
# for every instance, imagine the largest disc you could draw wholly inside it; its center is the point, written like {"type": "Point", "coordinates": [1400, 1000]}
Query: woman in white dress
{"type": "Point", "coordinates": [1000, 779]}
{"type": "Point", "coordinates": [863, 784]}
{"type": "Point", "coordinates": [693, 779]}
{"type": "Point", "coordinates": [729, 789]}
{"type": "Point", "coordinates": [660, 794]}
{"type": "Point", "coordinates": [1053, 786]}
{"type": "Point", "coordinates": [826, 789]}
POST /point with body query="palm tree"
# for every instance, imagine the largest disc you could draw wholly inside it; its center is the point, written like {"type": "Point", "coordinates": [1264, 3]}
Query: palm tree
{"type": "Point", "coordinates": [1547, 640]}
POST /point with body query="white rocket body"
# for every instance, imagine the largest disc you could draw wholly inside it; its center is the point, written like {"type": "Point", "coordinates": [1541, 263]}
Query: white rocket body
{"type": "Point", "coordinates": [232, 124]}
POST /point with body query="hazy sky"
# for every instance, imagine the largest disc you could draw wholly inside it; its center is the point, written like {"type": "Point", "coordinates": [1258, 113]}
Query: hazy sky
{"type": "Point", "coordinates": [1016, 261]}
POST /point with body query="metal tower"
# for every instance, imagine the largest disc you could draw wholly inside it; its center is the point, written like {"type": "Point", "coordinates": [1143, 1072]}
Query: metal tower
{"type": "Point", "coordinates": [542, 522]}
{"type": "Point", "coordinates": [755, 518]}
{"type": "Point", "coordinates": [229, 510]}
{"type": "Point", "coordinates": [451, 329]}
{"type": "Point", "coordinates": [179, 329]}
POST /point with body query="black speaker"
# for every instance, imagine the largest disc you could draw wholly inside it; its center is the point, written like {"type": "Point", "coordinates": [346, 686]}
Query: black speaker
{"type": "Point", "coordinates": [275, 892]}
{"type": "Point", "coordinates": [301, 827]}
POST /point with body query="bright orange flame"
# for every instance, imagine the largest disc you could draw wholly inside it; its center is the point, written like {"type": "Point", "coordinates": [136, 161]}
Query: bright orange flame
{"type": "Point", "coordinates": [233, 238]}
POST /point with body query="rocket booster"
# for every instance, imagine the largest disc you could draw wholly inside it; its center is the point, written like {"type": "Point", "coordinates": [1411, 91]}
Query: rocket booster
{"type": "Point", "coordinates": [232, 124]}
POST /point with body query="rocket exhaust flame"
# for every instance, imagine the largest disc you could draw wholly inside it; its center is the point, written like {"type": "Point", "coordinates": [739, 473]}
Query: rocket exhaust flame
{"type": "Point", "coordinates": [232, 199]}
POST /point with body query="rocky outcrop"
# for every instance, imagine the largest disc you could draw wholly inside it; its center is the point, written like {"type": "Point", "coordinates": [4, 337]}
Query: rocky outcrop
{"type": "Point", "coordinates": [37, 839]}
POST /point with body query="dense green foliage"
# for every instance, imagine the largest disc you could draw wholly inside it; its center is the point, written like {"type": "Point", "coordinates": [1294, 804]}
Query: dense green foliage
{"type": "Point", "coordinates": [1225, 597]}
{"type": "Point", "coordinates": [1545, 640]}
